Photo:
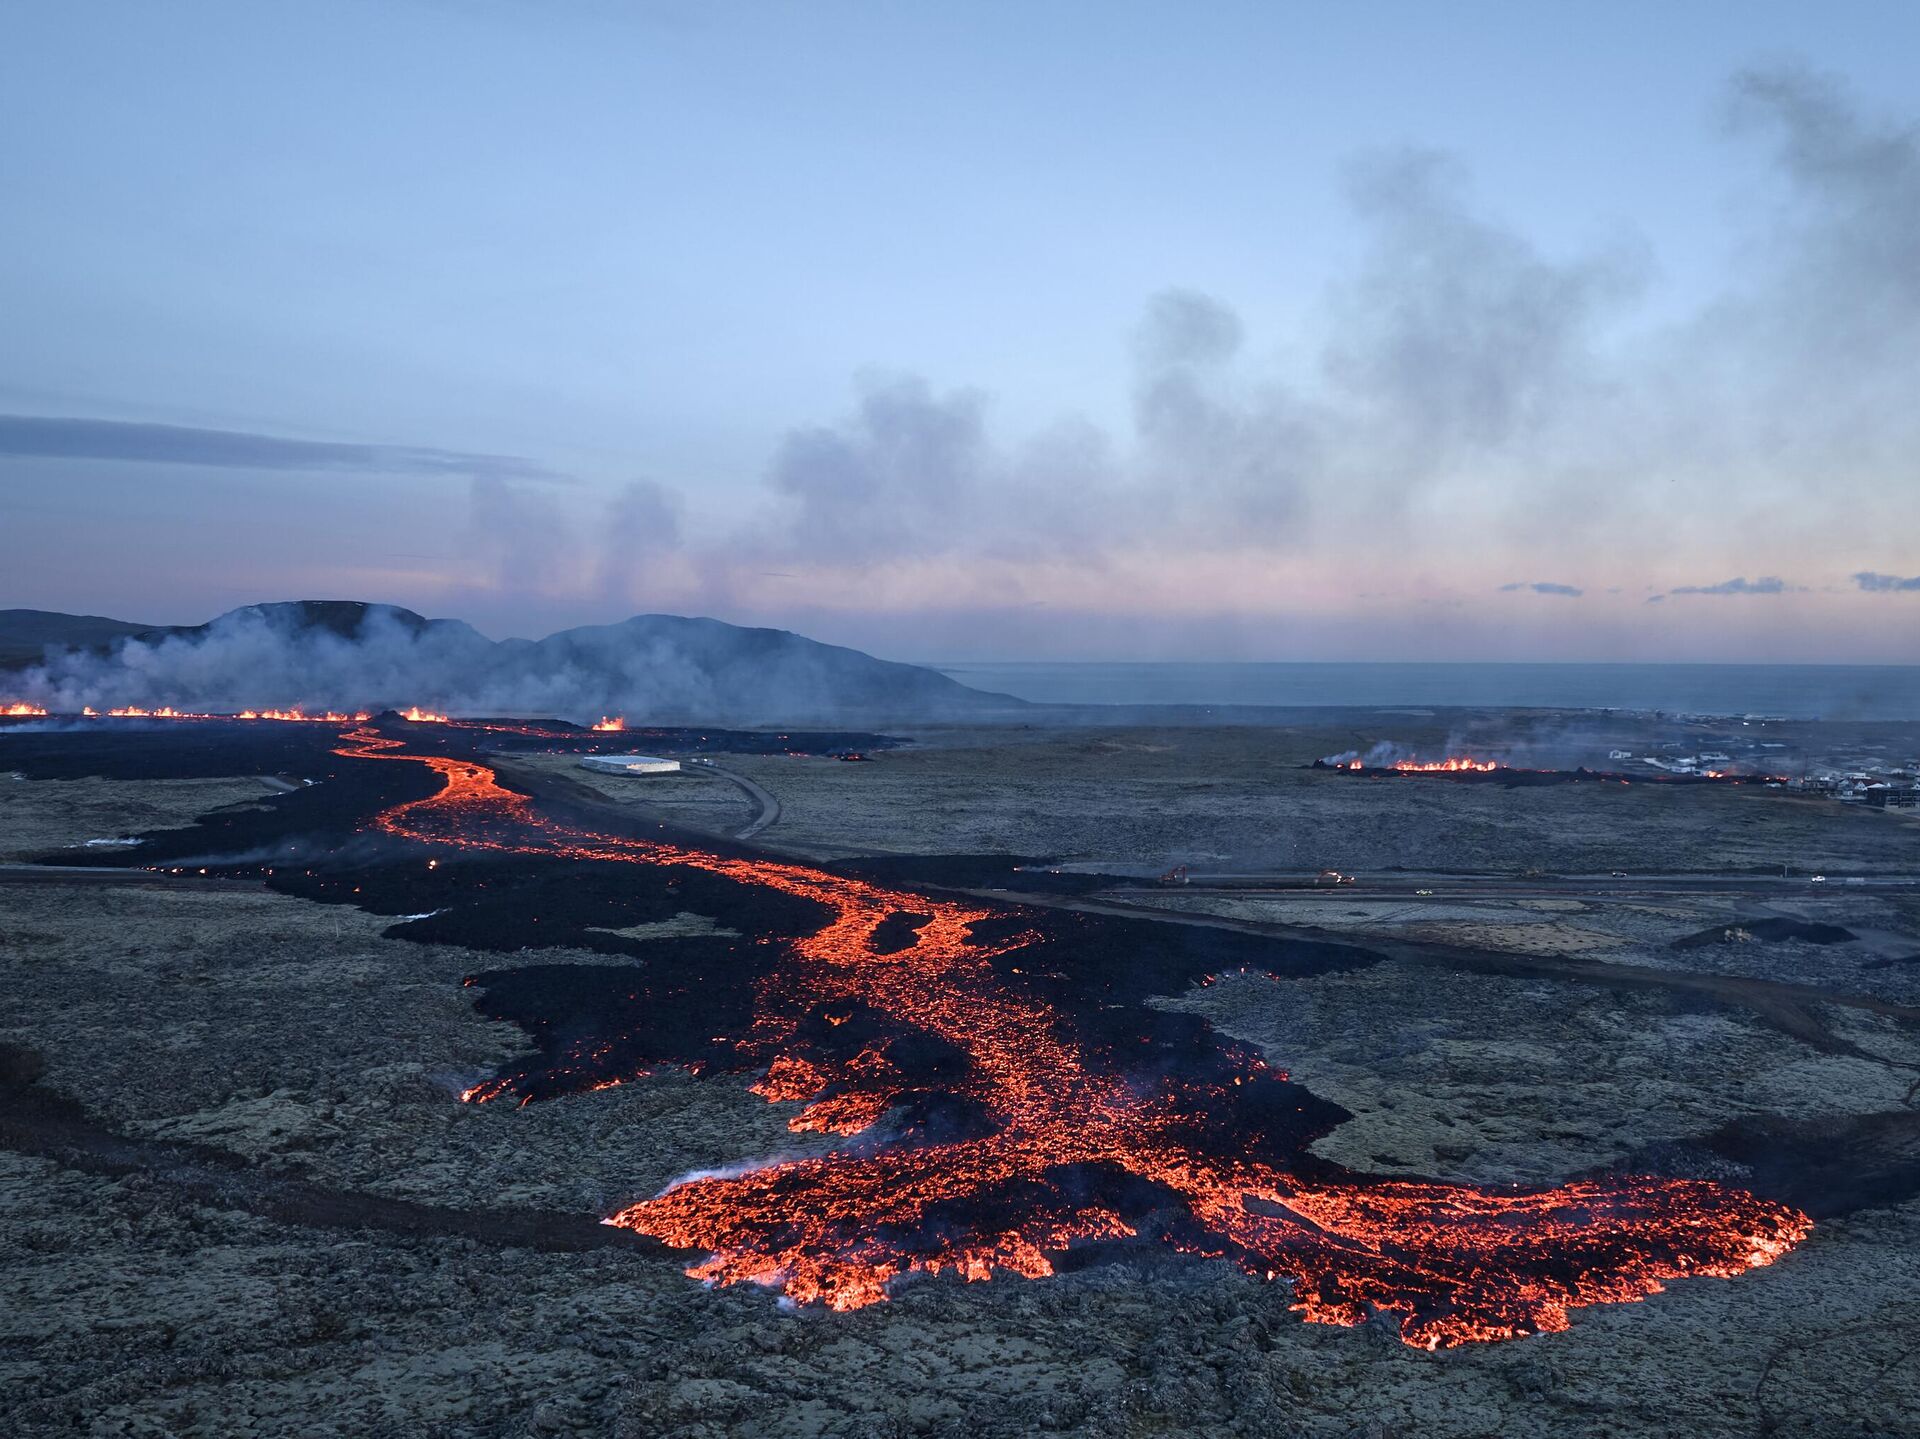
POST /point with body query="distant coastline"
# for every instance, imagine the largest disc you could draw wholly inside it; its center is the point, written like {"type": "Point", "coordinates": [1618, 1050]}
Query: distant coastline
{"type": "Point", "coordinates": [1830, 692]}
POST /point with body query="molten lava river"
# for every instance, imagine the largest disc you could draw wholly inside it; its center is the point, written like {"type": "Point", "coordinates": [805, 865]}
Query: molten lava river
{"type": "Point", "coordinates": [1060, 1140]}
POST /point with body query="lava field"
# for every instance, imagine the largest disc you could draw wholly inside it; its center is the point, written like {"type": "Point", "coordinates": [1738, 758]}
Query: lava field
{"type": "Point", "coordinates": [1005, 1099]}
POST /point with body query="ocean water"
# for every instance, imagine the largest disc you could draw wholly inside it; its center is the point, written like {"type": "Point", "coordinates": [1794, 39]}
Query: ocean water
{"type": "Point", "coordinates": [1859, 692]}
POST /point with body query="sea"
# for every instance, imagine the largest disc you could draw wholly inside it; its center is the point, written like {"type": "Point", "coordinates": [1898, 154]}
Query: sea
{"type": "Point", "coordinates": [1828, 692]}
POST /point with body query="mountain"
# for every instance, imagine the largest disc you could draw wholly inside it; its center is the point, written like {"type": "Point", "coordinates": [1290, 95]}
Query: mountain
{"type": "Point", "coordinates": [341, 654]}
{"type": "Point", "coordinates": [739, 669]}
{"type": "Point", "coordinates": [25, 633]}
{"type": "Point", "coordinates": [344, 618]}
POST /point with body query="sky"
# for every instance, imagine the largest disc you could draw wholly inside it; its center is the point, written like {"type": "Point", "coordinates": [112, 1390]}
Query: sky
{"type": "Point", "coordinates": [976, 331]}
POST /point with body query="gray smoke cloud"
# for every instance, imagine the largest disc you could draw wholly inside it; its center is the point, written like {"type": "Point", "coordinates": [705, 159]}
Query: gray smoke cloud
{"type": "Point", "coordinates": [914, 472]}
{"type": "Point", "coordinates": [319, 656]}
{"type": "Point", "coordinates": [642, 528]}
{"type": "Point", "coordinates": [1459, 359]}
{"type": "Point", "coordinates": [1459, 336]}
{"type": "Point", "coordinates": [901, 470]}
{"type": "Point", "coordinates": [1459, 355]}
{"type": "Point", "coordinates": [1205, 445]}
{"type": "Point", "coordinates": [517, 538]}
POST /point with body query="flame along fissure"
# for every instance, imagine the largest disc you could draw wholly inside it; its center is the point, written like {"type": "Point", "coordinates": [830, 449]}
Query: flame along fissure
{"type": "Point", "coordinates": [1454, 1264]}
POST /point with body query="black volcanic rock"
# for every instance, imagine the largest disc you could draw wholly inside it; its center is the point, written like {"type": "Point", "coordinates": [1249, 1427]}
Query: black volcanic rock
{"type": "Point", "coordinates": [1773, 929]}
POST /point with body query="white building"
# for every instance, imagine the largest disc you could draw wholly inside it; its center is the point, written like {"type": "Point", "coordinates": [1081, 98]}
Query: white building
{"type": "Point", "coordinates": [637, 765]}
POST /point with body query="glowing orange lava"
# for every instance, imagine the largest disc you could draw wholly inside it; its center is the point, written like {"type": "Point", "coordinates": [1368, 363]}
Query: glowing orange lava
{"type": "Point", "coordinates": [19, 711]}
{"type": "Point", "coordinates": [1453, 1264]}
{"type": "Point", "coordinates": [611, 724]}
{"type": "Point", "coordinates": [302, 717]}
{"type": "Point", "coordinates": [294, 716]}
{"type": "Point", "coordinates": [1446, 766]}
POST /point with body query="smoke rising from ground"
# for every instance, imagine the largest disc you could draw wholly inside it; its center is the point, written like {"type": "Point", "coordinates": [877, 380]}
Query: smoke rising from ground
{"type": "Point", "coordinates": [346, 657]}
{"type": "Point", "coordinates": [1465, 403]}
{"type": "Point", "coordinates": [1464, 362]}
{"type": "Point", "coordinates": [1549, 742]}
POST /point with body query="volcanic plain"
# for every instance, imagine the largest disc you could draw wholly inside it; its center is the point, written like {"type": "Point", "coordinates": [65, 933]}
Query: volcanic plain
{"type": "Point", "coordinates": [241, 1191]}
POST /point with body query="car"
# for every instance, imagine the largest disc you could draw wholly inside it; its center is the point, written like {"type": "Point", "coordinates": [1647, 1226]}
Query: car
{"type": "Point", "coordinates": [1619, 874]}
{"type": "Point", "coordinates": [1423, 891]}
{"type": "Point", "coordinates": [1816, 879]}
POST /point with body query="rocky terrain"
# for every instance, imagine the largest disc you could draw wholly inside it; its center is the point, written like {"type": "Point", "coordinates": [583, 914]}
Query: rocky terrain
{"type": "Point", "coordinates": [241, 1196]}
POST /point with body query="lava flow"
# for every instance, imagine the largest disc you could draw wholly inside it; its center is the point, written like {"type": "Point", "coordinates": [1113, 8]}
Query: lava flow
{"type": "Point", "coordinates": [1463, 767]}
{"type": "Point", "coordinates": [988, 1129]}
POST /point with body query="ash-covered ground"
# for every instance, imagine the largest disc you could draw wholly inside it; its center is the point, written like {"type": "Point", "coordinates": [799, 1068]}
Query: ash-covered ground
{"type": "Point", "coordinates": [303, 1230]}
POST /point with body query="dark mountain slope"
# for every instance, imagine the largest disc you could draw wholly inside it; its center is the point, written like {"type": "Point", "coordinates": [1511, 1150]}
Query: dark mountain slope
{"type": "Point", "coordinates": [24, 634]}
{"type": "Point", "coordinates": [341, 654]}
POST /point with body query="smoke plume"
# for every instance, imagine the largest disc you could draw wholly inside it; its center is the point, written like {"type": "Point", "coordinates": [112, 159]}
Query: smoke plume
{"type": "Point", "coordinates": [319, 655]}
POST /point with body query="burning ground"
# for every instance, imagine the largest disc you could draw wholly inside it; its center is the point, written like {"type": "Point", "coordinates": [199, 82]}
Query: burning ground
{"type": "Point", "coordinates": [861, 1006]}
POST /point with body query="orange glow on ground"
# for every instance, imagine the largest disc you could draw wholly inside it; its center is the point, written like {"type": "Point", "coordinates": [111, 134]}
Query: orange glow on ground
{"type": "Point", "coordinates": [1453, 1263]}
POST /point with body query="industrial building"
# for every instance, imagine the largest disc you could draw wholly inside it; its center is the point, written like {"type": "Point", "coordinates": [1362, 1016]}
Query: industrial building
{"type": "Point", "coordinates": [638, 765]}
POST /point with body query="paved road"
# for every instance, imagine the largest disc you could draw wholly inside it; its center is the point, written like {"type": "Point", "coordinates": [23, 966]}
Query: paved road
{"type": "Point", "coordinates": [1507, 886]}
{"type": "Point", "coordinates": [81, 874]}
{"type": "Point", "coordinates": [1794, 1009]}
{"type": "Point", "coordinates": [766, 807]}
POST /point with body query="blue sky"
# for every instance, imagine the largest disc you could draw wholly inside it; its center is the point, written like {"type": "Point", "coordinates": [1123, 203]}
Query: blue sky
{"type": "Point", "coordinates": [1253, 331]}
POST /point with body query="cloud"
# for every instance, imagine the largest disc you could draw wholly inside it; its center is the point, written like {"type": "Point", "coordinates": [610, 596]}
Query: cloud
{"type": "Point", "coordinates": [1878, 583]}
{"type": "Point", "coordinates": [1765, 585]}
{"type": "Point", "coordinates": [68, 438]}
{"type": "Point", "coordinates": [1541, 587]}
